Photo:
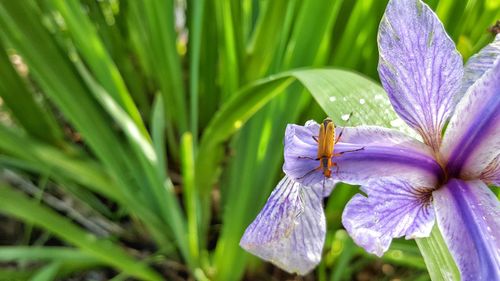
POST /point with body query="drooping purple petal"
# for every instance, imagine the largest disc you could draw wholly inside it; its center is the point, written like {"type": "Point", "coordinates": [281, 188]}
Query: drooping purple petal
{"type": "Point", "coordinates": [468, 215]}
{"type": "Point", "coordinates": [419, 67]}
{"type": "Point", "coordinates": [384, 152]}
{"type": "Point", "coordinates": [481, 62]}
{"type": "Point", "coordinates": [290, 229]}
{"type": "Point", "coordinates": [471, 143]}
{"type": "Point", "coordinates": [393, 208]}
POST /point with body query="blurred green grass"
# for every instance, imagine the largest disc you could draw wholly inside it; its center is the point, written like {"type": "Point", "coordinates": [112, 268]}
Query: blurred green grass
{"type": "Point", "coordinates": [151, 131]}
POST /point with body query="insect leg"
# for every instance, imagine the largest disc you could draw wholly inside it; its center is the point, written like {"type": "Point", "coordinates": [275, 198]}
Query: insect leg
{"type": "Point", "coordinates": [310, 172]}
{"type": "Point", "coordinates": [336, 169]}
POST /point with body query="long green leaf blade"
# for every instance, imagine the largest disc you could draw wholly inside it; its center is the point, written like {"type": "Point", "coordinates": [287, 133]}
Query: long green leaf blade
{"type": "Point", "coordinates": [16, 204]}
{"type": "Point", "coordinates": [438, 259]}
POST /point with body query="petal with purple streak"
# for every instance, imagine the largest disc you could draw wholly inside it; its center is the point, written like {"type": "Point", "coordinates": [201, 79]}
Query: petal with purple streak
{"type": "Point", "coordinates": [419, 67]}
{"type": "Point", "coordinates": [468, 216]}
{"type": "Point", "coordinates": [471, 143]}
{"type": "Point", "coordinates": [393, 208]}
{"type": "Point", "coordinates": [479, 63]}
{"type": "Point", "coordinates": [384, 152]}
{"type": "Point", "coordinates": [290, 229]}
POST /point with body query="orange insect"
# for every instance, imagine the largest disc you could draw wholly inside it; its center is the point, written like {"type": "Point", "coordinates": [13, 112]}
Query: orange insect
{"type": "Point", "coordinates": [326, 143]}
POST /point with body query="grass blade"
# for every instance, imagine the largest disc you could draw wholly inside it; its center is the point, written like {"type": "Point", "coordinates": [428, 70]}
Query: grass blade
{"type": "Point", "coordinates": [44, 159]}
{"type": "Point", "coordinates": [158, 187]}
{"type": "Point", "coordinates": [230, 54]}
{"type": "Point", "coordinates": [30, 253]}
{"type": "Point", "coordinates": [438, 259]}
{"type": "Point", "coordinates": [191, 196]}
{"type": "Point", "coordinates": [16, 204]}
{"type": "Point", "coordinates": [194, 62]}
{"type": "Point", "coordinates": [38, 121]}
{"type": "Point", "coordinates": [47, 273]}
{"type": "Point", "coordinates": [154, 20]}
{"type": "Point", "coordinates": [96, 56]}
{"type": "Point", "coordinates": [84, 113]}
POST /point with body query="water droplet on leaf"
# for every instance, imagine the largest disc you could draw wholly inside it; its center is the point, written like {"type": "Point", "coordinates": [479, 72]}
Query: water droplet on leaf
{"type": "Point", "coordinates": [397, 123]}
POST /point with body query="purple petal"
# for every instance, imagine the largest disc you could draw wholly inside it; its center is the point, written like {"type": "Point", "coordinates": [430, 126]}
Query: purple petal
{"type": "Point", "coordinates": [472, 140]}
{"type": "Point", "coordinates": [385, 152]}
{"type": "Point", "coordinates": [419, 67]}
{"type": "Point", "coordinates": [481, 62]}
{"type": "Point", "coordinates": [392, 209]}
{"type": "Point", "coordinates": [290, 229]}
{"type": "Point", "coordinates": [468, 215]}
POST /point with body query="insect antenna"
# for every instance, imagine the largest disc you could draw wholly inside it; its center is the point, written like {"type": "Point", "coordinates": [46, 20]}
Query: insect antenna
{"type": "Point", "coordinates": [345, 123]}
{"type": "Point", "coordinates": [323, 189]}
{"type": "Point", "coordinates": [352, 150]}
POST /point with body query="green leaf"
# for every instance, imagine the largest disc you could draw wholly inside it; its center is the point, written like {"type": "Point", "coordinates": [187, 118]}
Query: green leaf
{"type": "Point", "coordinates": [230, 46]}
{"type": "Point", "coordinates": [67, 90]}
{"type": "Point", "coordinates": [47, 273]}
{"type": "Point", "coordinates": [341, 268]}
{"type": "Point", "coordinates": [33, 253]}
{"type": "Point", "coordinates": [159, 188]}
{"type": "Point", "coordinates": [155, 30]}
{"type": "Point", "coordinates": [339, 92]}
{"type": "Point", "coordinates": [190, 194]}
{"type": "Point", "coordinates": [70, 259]}
{"type": "Point", "coordinates": [404, 254]}
{"type": "Point", "coordinates": [438, 259]}
{"type": "Point", "coordinates": [38, 121]}
{"type": "Point", "coordinates": [229, 119]}
{"type": "Point", "coordinates": [195, 28]}
{"type": "Point", "coordinates": [158, 134]}
{"type": "Point", "coordinates": [18, 205]}
{"type": "Point", "coordinates": [15, 274]}
{"type": "Point", "coordinates": [94, 53]}
{"type": "Point", "coordinates": [264, 42]}
{"type": "Point", "coordinates": [35, 156]}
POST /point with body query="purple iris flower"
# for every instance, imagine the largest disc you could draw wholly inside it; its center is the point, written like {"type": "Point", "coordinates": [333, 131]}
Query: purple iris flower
{"type": "Point", "coordinates": [408, 184]}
